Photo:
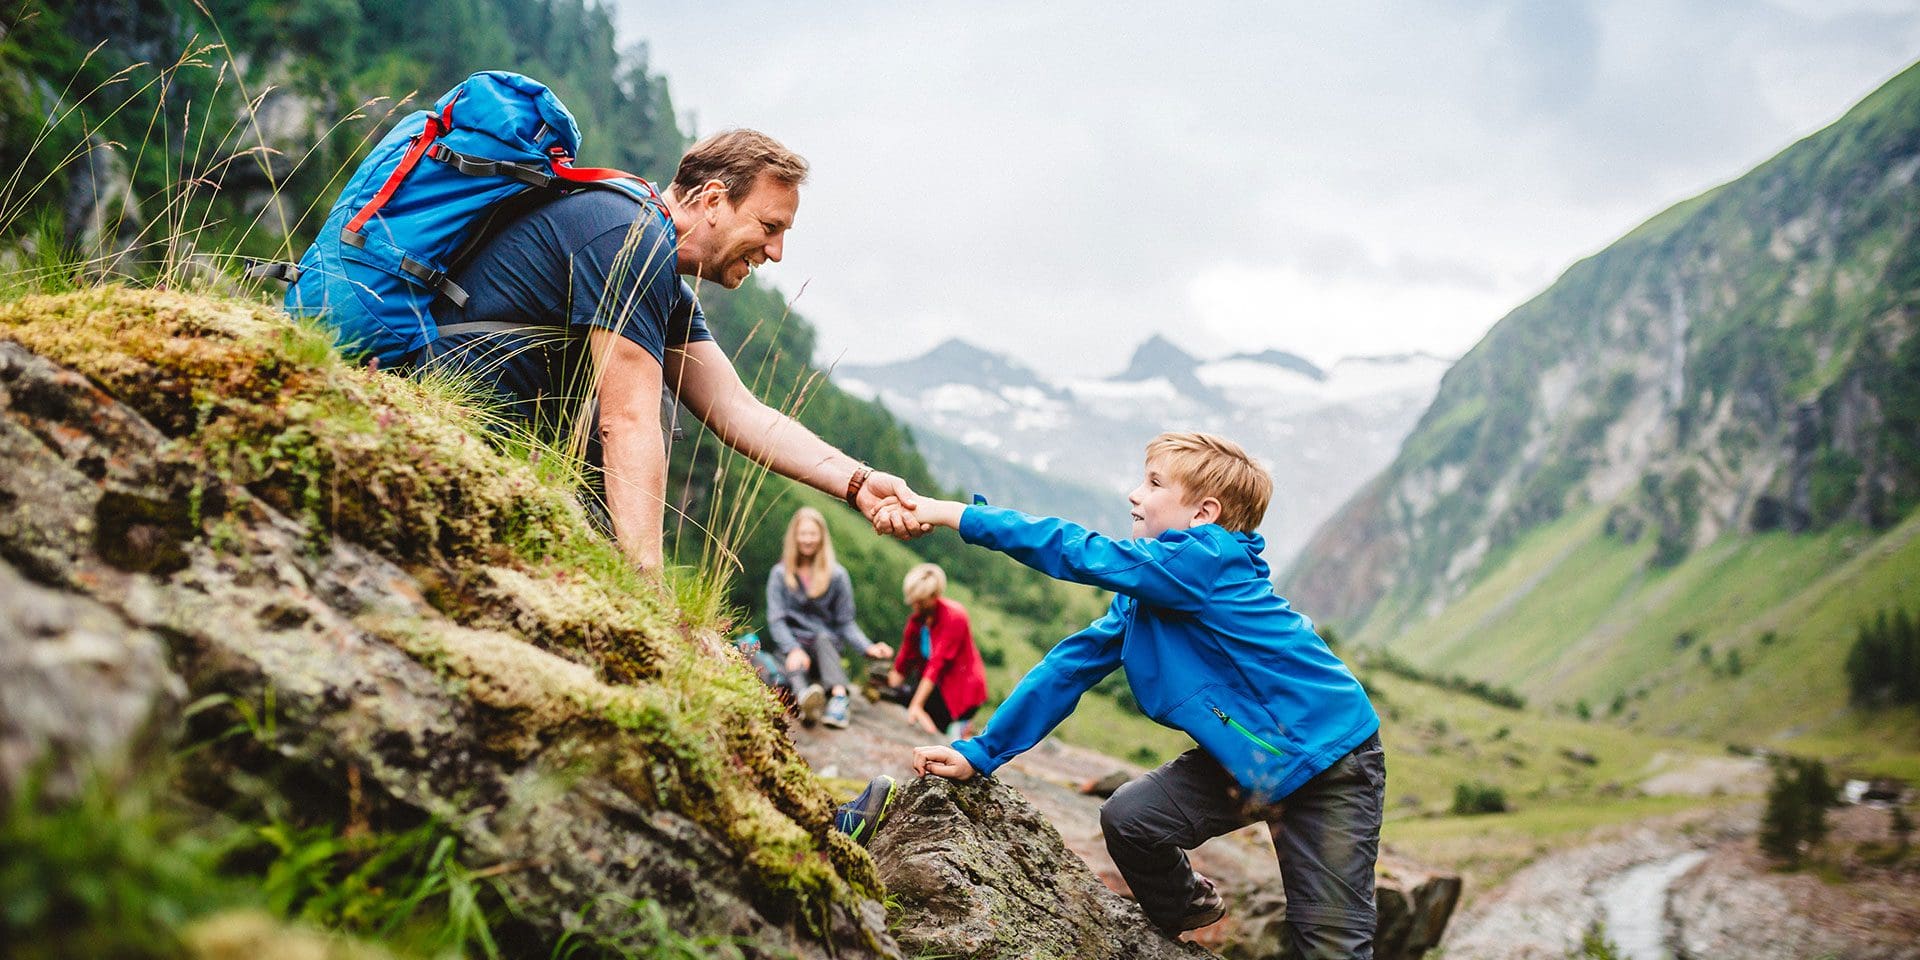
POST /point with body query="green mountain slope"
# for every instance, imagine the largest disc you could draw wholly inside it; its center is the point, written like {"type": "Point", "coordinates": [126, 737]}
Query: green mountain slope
{"type": "Point", "coordinates": [1705, 435]}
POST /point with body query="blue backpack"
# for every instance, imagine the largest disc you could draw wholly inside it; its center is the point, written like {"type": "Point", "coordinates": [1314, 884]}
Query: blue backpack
{"type": "Point", "coordinates": [401, 224]}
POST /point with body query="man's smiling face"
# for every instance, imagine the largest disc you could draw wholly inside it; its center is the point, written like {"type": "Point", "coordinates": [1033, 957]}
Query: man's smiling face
{"type": "Point", "coordinates": [745, 234]}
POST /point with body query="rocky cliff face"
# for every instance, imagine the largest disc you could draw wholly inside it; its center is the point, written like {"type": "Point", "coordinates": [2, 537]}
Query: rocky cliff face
{"type": "Point", "coordinates": [1744, 361]}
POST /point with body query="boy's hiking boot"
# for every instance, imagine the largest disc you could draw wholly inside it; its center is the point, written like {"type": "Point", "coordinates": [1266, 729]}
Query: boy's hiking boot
{"type": "Point", "coordinates": [836, 712]}
{"type": "Point", "coordinates": [860, 817]}
{"type": "Point", "coordinates": [812, 700]}
{"type": "Point", "coordinates": [1204, 909]}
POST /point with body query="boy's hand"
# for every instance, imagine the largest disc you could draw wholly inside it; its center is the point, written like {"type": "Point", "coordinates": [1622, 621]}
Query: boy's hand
{"type": "Point", "coordinates": [936, 513]}
{"type": "Point", "coordinates": [941, 762]}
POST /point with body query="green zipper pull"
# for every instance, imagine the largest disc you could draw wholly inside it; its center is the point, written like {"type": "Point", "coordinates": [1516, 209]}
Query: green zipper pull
{"type": "Point", "coordinates": [1249, 734]}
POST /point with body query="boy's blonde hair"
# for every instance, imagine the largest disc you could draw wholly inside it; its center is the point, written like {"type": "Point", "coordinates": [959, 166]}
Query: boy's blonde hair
{"type": "Point", "coordinates": [923, 581]}
{"type": "Point", "coordinates": [1212, 466]}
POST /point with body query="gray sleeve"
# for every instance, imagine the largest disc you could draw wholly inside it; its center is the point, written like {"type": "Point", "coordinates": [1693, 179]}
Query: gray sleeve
{"type": "Point", "coordinates": [777, 629]}
{"type": "Point", "coordinates": [840, 609]}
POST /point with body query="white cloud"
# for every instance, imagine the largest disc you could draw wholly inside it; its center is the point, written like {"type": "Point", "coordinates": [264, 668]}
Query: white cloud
{"type": "Point", "coordinates": [1061, 180]}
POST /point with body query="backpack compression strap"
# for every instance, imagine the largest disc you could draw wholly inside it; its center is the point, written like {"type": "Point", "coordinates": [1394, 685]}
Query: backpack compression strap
{"type": "Point", "coordinates": [436, 126]}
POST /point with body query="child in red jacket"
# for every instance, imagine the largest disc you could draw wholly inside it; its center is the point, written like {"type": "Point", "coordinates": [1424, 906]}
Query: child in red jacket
{"type": "Point", "coordinates": [937, 673]}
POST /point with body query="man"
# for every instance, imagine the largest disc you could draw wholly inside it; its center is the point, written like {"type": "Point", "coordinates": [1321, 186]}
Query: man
{"type": "Point", "coordinates": [595, 264]}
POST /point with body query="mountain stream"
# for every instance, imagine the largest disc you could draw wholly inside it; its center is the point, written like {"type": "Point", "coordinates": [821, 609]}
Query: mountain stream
{"type": "Point", "coordinates": [1635, 906]}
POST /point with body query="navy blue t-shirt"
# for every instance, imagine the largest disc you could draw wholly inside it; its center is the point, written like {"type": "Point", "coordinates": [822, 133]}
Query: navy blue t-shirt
{"type": "Point", "coordinates": [595, 258]}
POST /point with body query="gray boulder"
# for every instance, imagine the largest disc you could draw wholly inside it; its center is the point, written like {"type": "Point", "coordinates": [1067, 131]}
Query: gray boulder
{"type": "Point", "coordinates": [978, 873]}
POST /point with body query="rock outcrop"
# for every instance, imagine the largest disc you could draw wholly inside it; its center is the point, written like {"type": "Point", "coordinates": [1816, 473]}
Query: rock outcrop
{"type": "Point", "coordinates": [1414, 910]}
{"type": "Point", "coordinates": [137, 577]}
{"type": "Point", "coordinates": [980, 874]}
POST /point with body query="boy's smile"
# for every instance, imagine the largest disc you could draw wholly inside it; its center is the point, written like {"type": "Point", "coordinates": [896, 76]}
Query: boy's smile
{"type": "Point", "coordinates": [1160, 504]}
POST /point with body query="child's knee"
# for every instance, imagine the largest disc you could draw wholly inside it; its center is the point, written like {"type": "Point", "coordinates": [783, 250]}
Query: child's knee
{"type": "Point", "coordinates": [1126, 814]}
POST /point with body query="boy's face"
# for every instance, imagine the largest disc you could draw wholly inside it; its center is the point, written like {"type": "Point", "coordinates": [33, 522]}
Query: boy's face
{"type": "Point", "coordinates": [1161, 504]}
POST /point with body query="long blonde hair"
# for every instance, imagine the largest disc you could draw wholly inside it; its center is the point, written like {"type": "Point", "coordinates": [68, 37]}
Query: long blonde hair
{"type": "Point", "coordinates": [820, 571]}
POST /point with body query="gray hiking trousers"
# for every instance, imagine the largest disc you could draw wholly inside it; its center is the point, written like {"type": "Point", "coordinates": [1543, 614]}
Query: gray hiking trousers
{"type": "Point", "coordinates": [825, 653]}
{"type": "Point", "coordinates": [1326, 835]}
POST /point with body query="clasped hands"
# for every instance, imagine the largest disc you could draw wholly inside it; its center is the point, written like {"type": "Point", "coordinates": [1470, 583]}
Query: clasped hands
{"type": "Point", "coordinates": [896, 511]}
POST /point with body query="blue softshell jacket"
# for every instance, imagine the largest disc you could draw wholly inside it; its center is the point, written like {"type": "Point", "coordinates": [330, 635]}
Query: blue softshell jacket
{"type": "Point", "coordinates": [1207, 645]}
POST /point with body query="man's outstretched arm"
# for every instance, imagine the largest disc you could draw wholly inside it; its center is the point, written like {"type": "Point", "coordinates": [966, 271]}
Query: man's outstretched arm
{"type": "Point", "coordinates": [704, 379]}
{"type": "Point", "coordinates": [633, 452]}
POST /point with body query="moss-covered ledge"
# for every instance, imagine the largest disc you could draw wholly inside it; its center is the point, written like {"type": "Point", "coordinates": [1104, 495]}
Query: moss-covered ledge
{"type": "Point", "coordinates": [533, 616]}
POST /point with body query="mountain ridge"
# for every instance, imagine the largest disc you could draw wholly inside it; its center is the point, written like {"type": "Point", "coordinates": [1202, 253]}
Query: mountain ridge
{"type": "Point", "coordinates": [1073, 445]}
{"type": "Point", "coordinates": [1743, 362]}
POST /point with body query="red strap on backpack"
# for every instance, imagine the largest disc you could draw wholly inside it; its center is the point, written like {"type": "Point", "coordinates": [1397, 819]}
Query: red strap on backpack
{"type": "Point", "coordinates": [563, 168]}
{"type": "Point", "coordinates": [436, 128]}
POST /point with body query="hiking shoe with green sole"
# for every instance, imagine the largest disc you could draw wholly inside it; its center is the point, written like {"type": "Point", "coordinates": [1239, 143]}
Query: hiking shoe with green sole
{"type": "Point", "coordinates": [860, 817]}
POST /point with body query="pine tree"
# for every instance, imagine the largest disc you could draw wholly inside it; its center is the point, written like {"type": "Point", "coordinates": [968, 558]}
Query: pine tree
{"type": "Point", "coordinates": [1817, 794]}
{"type": "Point", "coordinates": [1781, 824]}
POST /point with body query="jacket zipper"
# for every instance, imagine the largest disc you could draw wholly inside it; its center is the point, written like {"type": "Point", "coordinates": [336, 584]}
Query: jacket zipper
{"type": "Point", "coordinates": [1249, 734]}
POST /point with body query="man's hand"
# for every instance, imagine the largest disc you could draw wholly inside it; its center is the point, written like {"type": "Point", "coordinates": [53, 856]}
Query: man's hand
{"type": "Point", "coordinates": [798, 660]}
{"type": "Point", "coordinates": [880, 651]}
{"type": "Point", "coordinates": [941, 762]}
{"type": "Point", "coordinates": [884, 500]}
{"type": "Point", "coordinates": [918, 717]}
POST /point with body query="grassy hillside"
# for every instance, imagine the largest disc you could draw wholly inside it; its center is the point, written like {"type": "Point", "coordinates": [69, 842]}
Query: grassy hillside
{"type": "Point", "coordinates": [1741, 642]}
{"type": "Point", "coordinates": [1744, 362]}
{"type": "Point", "coordinates": [1438, 740]}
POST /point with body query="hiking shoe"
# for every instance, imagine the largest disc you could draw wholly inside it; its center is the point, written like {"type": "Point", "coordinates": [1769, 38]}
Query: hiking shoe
{"type": "Point", "coordinates": [1204, 909]}
{"type": "Point", "coordinates": [812, 700]}
{"type": "Point", "coordinates": [860, 817]}
{"type": "Point", "coordinates": [957, 730]}
{"type": "Point", "coordinates": [836, 712]}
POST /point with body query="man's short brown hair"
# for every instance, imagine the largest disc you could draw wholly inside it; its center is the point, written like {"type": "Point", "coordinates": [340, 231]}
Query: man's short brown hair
{"type": "Point", "coordinates": [1205, 465]}
{"type": "Point", "coordinates": [737, 158]}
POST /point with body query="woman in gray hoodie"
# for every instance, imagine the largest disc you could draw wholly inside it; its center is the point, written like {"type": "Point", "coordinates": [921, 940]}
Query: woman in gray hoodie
{"type": "Point", "coordinates": [810, 619]}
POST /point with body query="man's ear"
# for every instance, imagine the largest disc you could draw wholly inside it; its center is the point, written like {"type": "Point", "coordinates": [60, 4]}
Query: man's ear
{"type": "Point", "coordinates": [711, 193]}
{"type": "Point", "coordinates": [1208, 511]}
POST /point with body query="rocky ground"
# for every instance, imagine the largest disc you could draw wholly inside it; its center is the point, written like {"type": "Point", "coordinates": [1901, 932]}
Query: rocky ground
{"type": "Point", "coordinates": [1737, 904]}
{"type": "Point", "coordinates": [1051, 777]}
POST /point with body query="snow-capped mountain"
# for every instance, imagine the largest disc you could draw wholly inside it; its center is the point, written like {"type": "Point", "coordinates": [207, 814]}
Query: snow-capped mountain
{"type": "Point", "coordinates": [1323, 432]}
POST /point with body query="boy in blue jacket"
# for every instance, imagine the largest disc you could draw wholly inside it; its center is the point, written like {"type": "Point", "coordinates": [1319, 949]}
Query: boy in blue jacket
{"type": "Point", "coordinates": [1286, 733]}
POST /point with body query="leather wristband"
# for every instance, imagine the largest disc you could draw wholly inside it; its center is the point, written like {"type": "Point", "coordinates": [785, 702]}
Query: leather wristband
{"type": "Point", "coordinates": [855, 482]}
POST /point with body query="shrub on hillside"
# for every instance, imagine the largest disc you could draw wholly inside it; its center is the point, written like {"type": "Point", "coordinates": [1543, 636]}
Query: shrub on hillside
{"type": "Point", "coordinates": [1796, 811]}
{"type": "Point", "coordinates": [1884, 664]}
{"type": "Point", "coordinates": [1474, 798]}
{"type": "Point", "coordinates": [1478, 689]}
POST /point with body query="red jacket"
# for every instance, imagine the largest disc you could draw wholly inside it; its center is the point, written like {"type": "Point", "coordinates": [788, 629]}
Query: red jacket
{"type": "Point", "coordinates": [956, 671]}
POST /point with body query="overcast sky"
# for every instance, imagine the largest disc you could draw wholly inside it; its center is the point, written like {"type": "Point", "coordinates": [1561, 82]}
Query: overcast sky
{"type": "Point", "coordinates": [1058, 181]}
